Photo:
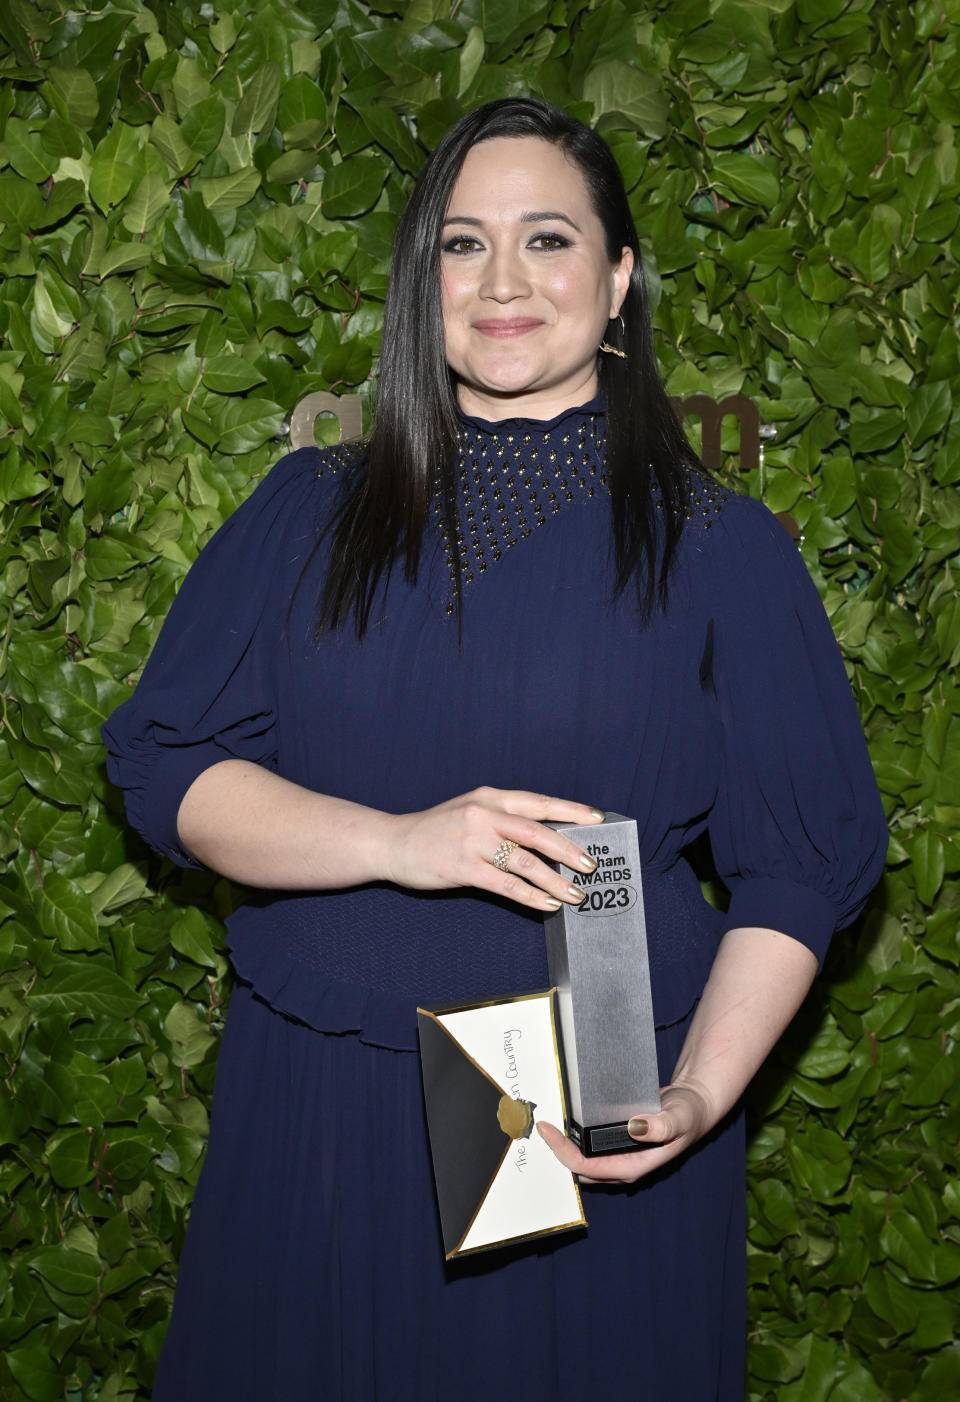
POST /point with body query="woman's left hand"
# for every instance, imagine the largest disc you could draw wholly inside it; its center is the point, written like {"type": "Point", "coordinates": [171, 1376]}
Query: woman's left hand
{"type": "Point", "coordinates": [685, 1116]}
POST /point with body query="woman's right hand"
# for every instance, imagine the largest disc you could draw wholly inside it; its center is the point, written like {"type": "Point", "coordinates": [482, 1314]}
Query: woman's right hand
{"type": "Point", "coordinates": [455, 844]}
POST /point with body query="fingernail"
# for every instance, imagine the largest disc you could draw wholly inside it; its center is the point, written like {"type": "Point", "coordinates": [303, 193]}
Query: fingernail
{"type": "Point", "coordinates": [575, 894]}
{"type": "Point", "coordinates": [540, 1130]}
{"type": "Point", "coordinates": [587, 862]}
{"type": "Point", "coordinates": [596, 813]}
{"type": "Point", "coordinates": [553, 903]}
{"type": "Point", "coordinates": [637, 1127]}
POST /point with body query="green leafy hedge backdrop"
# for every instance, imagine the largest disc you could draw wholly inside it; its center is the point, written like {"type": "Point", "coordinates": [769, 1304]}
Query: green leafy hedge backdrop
{"type": "Point", "coordinates": [196, 209]}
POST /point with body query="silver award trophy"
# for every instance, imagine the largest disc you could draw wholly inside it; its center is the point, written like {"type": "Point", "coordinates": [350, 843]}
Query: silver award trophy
{"type": "Point", "coordinates": [597, 956]}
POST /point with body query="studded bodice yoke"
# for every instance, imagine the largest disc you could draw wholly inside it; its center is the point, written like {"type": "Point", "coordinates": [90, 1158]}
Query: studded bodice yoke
{"type": "Point", "coordinates": [512, 477]}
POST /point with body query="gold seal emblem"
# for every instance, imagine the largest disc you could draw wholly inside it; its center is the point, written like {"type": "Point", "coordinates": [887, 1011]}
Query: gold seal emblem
{"type": "Point", "coordinates": [515, 1117]}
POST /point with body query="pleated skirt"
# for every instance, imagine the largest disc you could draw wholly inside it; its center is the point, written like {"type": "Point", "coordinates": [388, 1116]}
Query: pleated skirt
{"type": "Point", "coordinates": [313, 1267]}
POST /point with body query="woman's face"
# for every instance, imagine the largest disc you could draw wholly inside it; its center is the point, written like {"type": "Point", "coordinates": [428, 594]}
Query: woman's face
{"type": "Point", "coordinates": [527, 285]}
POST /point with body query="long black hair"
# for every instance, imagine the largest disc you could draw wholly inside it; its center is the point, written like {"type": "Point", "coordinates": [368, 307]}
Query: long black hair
{"type": "Point", "coordinates": [413, 445]}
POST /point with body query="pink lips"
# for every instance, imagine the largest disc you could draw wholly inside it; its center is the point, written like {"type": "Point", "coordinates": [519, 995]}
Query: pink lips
{"type": "Point", "coordinates": [511, 326]}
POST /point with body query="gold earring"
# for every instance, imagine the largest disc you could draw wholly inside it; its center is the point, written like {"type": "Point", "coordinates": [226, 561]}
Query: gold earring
{"type": "Point", "coordinates": [612, 350]}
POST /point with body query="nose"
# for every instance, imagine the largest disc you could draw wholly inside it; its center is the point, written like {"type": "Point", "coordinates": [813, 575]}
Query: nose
{"type": "Point", "coordinates": [504, 276]}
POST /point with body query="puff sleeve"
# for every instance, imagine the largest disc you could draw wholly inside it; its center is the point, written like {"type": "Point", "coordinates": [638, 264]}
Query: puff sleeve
{"type": "Point", "coordinates": [207, 691]}
{"type": "Point", "coordinates": [797, 829]}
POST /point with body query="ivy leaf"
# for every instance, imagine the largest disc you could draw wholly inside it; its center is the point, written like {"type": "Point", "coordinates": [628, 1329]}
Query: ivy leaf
{"type": "Point", "coordinates": [752, 179]}
{"type": "Point", "coordinates": [615, 87]}
{"type": "Point", "coordinates": [246, 424]}
{"type": "Point", "coordinates": [190, 1037]}
{"type": "Point", "coordinates": [69, 1159]}
{"type": "Point", "coordinates": [471, 58]}
{"type": "Point", "coordinates": [202, 127]}
{"type": "Point", "coordinates": [903, 1239]}
{"type": "Point", "coordinates": [927, 852]}
{"type": "Point", "coordinates": [228, 191]}
{"type": "Point", "coordinates": [73, 1272]}
{"type": "Point", "coordinates": [26, 154]}
{"type": "Point", "coordinates": [258, 105]}
{"type": "Point", "coordinates": [148, 201]}
{"type": "Point", "coordinates": [927, 412]}
{"type": "Point", "coordinates": [36, 1372]}
{"type": "Point", "coordinates": [190, 936]}
{"type": "Point", "coordinates": [75, 93]}
{"type": "Point", "coordinates": [110, 177]}
{"type": "Point", "coordinates": [20, 202]}
{"type": "Point", "coordinates": [81, 989]}
{"type": "Point", "coordinates": [63, 912]}
{"type": "Point", "coordinates": [230, 374]}
{"type": "Point", "coordinates": [301, 103]}
{"type": "Point", "coordinates": [353, 187]}
{"type": "Point", "coordinates": [169, 140]}
{"type": "Point", "coordinates": [931, 1085]}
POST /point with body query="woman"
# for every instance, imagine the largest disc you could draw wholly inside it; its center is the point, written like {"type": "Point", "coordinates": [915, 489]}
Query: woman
{"type": "Point", "coordinates": [524, 583]}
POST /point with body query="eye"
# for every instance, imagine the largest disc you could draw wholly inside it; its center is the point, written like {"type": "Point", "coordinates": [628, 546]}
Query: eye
{"type": "Point", "coordinates": [461, 243]}
{"type": "Point", "coordinates": [549, 243]}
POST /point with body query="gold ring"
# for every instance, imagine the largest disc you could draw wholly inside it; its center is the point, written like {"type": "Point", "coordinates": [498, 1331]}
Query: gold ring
{"type": "Point", "coordinates": [502, 854]}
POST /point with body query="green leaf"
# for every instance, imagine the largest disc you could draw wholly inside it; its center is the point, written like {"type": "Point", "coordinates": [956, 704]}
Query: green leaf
{"type": "Point", "coordinates": [148, 201]}
{"type": "Point", "coordinates": [903, 1239]}
{"type": "Point", "coordinates": [70, 1159]}
{"type": "Point", "coordinates": [77, 94]}
{"type": "Point", "coordinates": [620, 90]}
{"type": "Point", "coordinates": [248, 424]}
{"type": "Point", "coordinates": [353, 187]}
{"type": "Point", "coordinates": [228, 191]}
{"type": "Point", "coordinates": [169, 140]}
{"type": "Point", "coordinates": [774, 1362]}
{"type": "Point", "coordinates": [258, 105]}
{"type": "Point", "coordinates": [127, 1159]}
{"type": "Point", "coordinates": [81, 989]}
{"type": "Point", "coordinates": [110, 176]}
{"type": "Point", "coordinates": [877, 242]}
{"type": "Point", "coordinates": [230, 374]}
{"type": "Point", "coordinates": [74, 1272]}
{"type": "Point", "coordinates": [63, 912]}
{"type": "Point", "coordinates": [26, 154]}
{"type": "Point", "coordinates": [190, 85]}
{"type": "Point", "coordinates": [36, 1372]}
{"type": "Point", "coordinates": [301, 101]}
{"type": "Point", "coordinates": [391, 134]}
{"type": "Point", "coordinates": [403, 57]}
{"type": "Point", "coordinates": [191, 1038]}
{"type": "Point", "coordinates": [20, 202]}
{"type": "Point", "coordinates": [751, 179]}
{"type": "Point", "coordinates": [202, 126]}
{"type": "Point", "coordinates": [471, 58]}
{"type": "Point", "coordinates": [931, 1086]}
{"type": "Point", "coordinates": [778, 1207]}
{"type": "Point", "coordinates": [927, 412]}
{"type": "Point", "coordinates": [190, 936]}
{"type": "Point", "coordinates": [927, 852]}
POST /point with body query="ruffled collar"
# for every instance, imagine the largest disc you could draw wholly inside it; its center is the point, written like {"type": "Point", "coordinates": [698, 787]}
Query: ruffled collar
{"type": "Point", "coordinates": [519, 424]}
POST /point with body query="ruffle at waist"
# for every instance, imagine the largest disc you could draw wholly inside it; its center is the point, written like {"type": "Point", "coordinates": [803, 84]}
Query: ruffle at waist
{"type": "Point", "coordinates": [268, 953]}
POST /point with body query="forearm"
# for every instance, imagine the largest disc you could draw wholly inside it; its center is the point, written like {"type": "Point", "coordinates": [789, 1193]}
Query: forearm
{"type": "Point", "coordinates": [259, 829]}
{"type": "Point", "coordinates": [758, 980]}
{"type": "Point", "coordinates": [262, 830]}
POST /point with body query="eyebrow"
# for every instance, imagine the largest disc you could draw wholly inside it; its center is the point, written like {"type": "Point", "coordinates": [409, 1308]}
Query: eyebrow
{"type": "Point", "coordinates": [535, 216]}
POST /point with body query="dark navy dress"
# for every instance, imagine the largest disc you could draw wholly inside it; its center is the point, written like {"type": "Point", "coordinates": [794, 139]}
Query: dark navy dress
{"type": "Point", "coordinates": [313, 1266]}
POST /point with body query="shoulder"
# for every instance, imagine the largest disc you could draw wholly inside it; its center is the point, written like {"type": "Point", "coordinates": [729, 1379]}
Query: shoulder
{"type": "Point", "coordinates": [273, 532]}
{"type": "Point", "coordinates": [735, 555]}
{"type": "Point", "coordinates": [730, 532]}
{"type": "Point", "coordinates": [307, 476]}
{"type": "Point", "coordinates": [298, 494]}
